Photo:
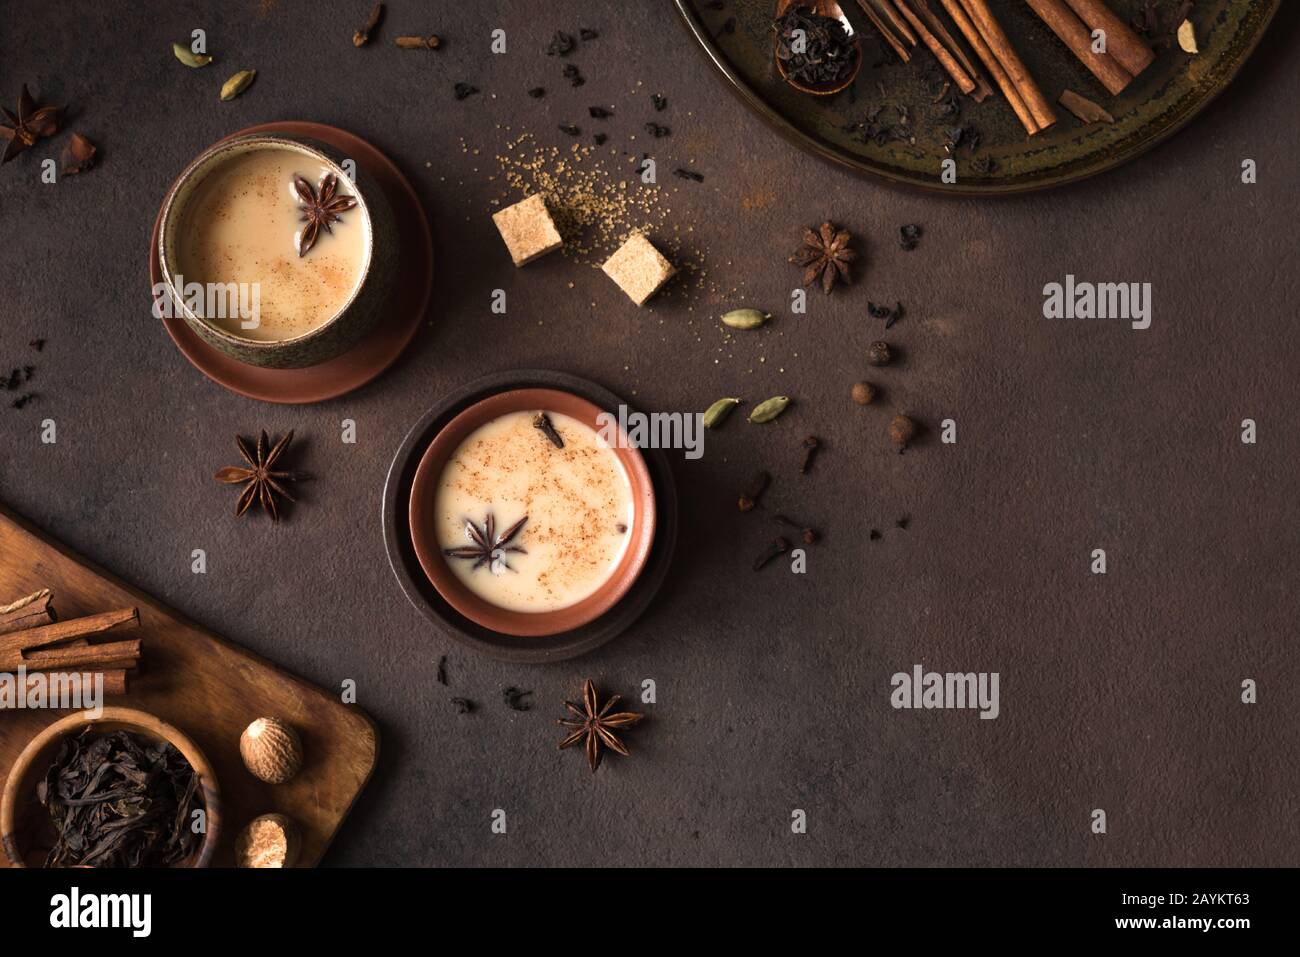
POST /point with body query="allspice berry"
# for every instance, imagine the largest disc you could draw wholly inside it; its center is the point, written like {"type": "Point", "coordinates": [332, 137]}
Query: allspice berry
{"type": "Point", "coordinates": [864, 393]}
{"type": "Point", "coordinates": [879, 353]}
{"type": "Point", "coordinates": [271, 750]}
{"type": "Point", "coordinates": [901, 432]}
{"type": "Point", "coordinates": [271, 840]}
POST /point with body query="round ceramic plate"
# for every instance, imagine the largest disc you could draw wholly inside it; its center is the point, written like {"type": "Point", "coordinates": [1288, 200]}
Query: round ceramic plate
{"type": "Point", "coordinates": [380, 348]}
{"type": "Point", "coordinates": [890, 125]}
{"type": "Point", "coordinates": [422, 594]}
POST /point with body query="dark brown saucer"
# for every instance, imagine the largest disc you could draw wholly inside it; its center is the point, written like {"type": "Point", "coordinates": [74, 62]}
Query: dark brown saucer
{"type": "Point", "coordinates": [426, 598]}
{"type": "Point", "coordinates": [380, 349]}
{"type": "Point", "coordinates": [424, 517]}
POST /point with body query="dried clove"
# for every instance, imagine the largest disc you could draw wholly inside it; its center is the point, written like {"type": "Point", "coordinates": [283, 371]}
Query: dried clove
{"type": "Point", "coordinates": [779, 546]}
{"type": "Point", "coordinates": [810, 445]}
{"type": "Point", "coordinates": [362, 36]}
{"type": "Point", "coordinates": [754, 491]}
{"type": "Point", "coordinates": [807, 535]}
{"type": "Point", "coordinates": [542, 422]}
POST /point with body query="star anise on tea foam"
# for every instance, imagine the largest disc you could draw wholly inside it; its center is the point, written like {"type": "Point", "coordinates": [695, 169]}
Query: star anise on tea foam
{"type": "Point", "coordinates": [263, 482]}
{"type": "Point", "coordinates": [31, 124]}
{"type": "Point", "coordinates": [595, 726]}
{"type": "Point", "coordinates": [486, 547]}
{"type": "Point", "coordinates": [825, 253]}
{"type": "Point", "coordinates": [320, 208]}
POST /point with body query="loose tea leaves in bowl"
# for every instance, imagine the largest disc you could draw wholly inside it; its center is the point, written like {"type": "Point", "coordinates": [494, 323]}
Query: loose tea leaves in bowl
{"type": "Point", "coordinates": [120, 800]}
{"type": "Point", "coordinates": [815, 50]}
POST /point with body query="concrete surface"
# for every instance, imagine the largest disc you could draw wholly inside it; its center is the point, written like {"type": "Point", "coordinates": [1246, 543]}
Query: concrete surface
{"type": "Point", "coordinates": [1118, 692]}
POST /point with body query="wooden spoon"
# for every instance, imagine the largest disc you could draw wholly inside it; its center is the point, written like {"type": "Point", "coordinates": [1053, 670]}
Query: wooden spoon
{"type": "Point", "coordinates": [825, 8]}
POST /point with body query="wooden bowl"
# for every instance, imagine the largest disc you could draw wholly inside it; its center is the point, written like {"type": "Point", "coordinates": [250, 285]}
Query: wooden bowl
{"type": "Point", "coordinates": [424, 533]}
{"type": "Point", "coordinates": [25, 827]}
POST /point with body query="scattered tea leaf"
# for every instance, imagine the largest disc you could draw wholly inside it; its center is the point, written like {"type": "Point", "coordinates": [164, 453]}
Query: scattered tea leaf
{"type": "Point", "coordinates": [690, 174]}
{"type": "Point", "coordinates": [537, 92]}
{"type": "Point", "coordinates": [561, 44]}
{"type": "Point", "coordinates": [599, 112]}
{"type": "Point", "coordinates": [463, 90]}
{"type": "Point", "coordinates": [658, 102]}
{"type": "Point", "coordinates": [909, 236]}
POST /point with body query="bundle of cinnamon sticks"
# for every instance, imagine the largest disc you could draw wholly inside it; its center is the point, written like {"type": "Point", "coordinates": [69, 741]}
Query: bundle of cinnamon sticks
{"type": "Point", "coordinates": [33, 638]}
{"type": "Point", "coordinates": [905, 23]}
{"type": "Point", "coordinates": [1085, 25]}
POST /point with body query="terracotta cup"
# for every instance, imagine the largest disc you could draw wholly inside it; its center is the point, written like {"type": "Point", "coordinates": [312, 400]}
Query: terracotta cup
{"type": "Point", "coordinates": [337, 333]}
{"type": "Point", "coordinates": [25, 827]}
{"type": "Point", "coordinates": [424, 518]}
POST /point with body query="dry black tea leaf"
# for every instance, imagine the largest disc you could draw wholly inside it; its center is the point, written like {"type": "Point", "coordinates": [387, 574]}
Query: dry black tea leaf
{"type": "Point", "coordinates": [657, 131]}
{"type": "Point", "coordinates": [78, 155]}
{"type": "Point", "coordinates": [561, 44]}
{"type": "Point", "coordinates": [573, 74]}
{"type": "Point", "coordinates": [537, 92]}
{"type": "Point", "coordinates": [514, 698]}
{"type": "Point", "coordinates": [120, 800]}
{"type": "Point", "coordinates": [688, 174]}
{"type": "Point", "coordinates": [587, 34]}
{"type": "Point", "coordinates": [570, 129]}
{"type": "Point", "coordinates": [463, 705]}
{"type": "Point", "coordinates": [599, 139]}
{"type": "Point", "coordinates": [463, 90]}
{"type": "Point", "coordinates": [909, 236]}
{"type": "Point", "coordinates": [814, 50]}
{"type": "Point", "coordinates": [599, 112]}
{"type": "Point", "coordinates": [658, 102]}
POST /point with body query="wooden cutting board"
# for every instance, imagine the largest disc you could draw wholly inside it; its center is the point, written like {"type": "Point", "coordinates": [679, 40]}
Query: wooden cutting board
{"type": "Point", "coordinates": [207, 687]}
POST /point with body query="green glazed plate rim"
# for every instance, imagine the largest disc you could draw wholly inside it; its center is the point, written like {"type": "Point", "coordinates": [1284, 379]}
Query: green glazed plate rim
{"type": "Point", "coordinates": [1194, 99]}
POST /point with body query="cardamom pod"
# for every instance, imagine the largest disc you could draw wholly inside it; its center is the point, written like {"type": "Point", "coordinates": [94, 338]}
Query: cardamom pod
{"type": "Point", "coordinates": [745, 318]}
{"type": "Point", "coordinates": [716, 413]}
{"type": "Point", "coordinates": [769, 409]}
{"type": "Point", "coordinates": [237, 84]}
{"type": "Point", "coordinates": [189, 57]}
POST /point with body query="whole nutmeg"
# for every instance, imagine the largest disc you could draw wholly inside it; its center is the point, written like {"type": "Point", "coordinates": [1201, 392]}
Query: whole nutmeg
{"type": "Point", "coordinates": [864, 393]}
{"type": "Point", "coordinates": [879, 353]}
{"type": "Point", "coordinates": [901, 432]}
{"type": "Point", "coordinates": [271, 840]}
{"type": "Point", "coordinates": [271, 750]}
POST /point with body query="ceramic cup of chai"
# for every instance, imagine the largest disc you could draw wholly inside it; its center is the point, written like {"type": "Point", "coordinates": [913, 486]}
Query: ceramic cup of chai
{"type": "Point", "coordinates": [273, 254]}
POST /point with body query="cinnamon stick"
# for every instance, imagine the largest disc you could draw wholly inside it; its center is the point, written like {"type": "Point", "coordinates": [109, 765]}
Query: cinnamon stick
{"type": "Point", "coordinates": [1075, 35]}
{"type": "Point", "coordinates": [1121, 41]}
{"type": "Point", "coordinates": [898, 22]}
{"type": "Point", "coordinates": [884, 29]}
{"type": "Point", "coordinates": [982, 89]}
{"type": "Point", "coordinates": [109, 652]}
{"type": "Point", "coordinates": [115, 682]}
{"type": "Point", "coordinates": [982, 50]}
{"type": "Point", "coordinates": [1000, 44]}
{"type": "Point", "coordinates": [30, 612]}
{"type": "Point", "coordinates": [59, 631]}
{"type": "Point", "coordinates": [941, 53]}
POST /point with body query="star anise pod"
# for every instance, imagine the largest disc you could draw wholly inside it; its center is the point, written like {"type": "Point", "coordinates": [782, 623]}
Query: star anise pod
{"type": "Point", "coordinates": [595, 726]}
{"type": "Point", "coordinates": [825, 253]}
{"type": "Point", "coordinates": [31, 124]}
{"type": "Point", "coordinates": [264, 482]}
{"type": "Point", "coordinates": [486, 547]}
{"type": "Point", "coordinates": [320, 207]}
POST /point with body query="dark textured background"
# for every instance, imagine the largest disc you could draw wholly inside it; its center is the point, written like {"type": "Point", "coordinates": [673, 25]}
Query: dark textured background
{"type": "Point", "coordinates": [1118, 692]}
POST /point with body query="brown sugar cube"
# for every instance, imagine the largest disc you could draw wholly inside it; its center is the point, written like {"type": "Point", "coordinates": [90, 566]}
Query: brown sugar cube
{"type": "Point", "coordinates": [638, 268]}
{"type": "Point", "coordinates": [527, 229]}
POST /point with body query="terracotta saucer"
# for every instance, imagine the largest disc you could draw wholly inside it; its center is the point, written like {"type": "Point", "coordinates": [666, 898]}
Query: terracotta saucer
{"type": "Point", "coordinates": [429, 602]}
{"type": "Point", "coordinates": [377, 351]}
{"type": "Point", "coordinates": [424, 517]}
